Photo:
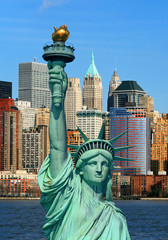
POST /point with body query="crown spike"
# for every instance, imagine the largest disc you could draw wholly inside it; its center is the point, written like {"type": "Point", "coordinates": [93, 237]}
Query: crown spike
{"type": "Point", "coordinates": [115, 138]}
{"type": "Point", "coordinates": [83, 135]}
{"type": "Point", "coordinates": [121, 148]}
{"type": "Point", "coordinates": [122, 159]}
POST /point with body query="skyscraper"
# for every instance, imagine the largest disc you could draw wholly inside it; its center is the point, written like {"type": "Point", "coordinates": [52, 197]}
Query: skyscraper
{"type": "Point", "coordinates": [92, 88]}
{"type": "Point", "coordinates": [28, 113]}
{"type": "Point", "coordinates": [72, 102]}
{"type": "Point", "coordinates": [42, 122]}
{"type": "Point", "coordinates": [34, 148]}
{"type": "Point", "coordinates": [137, 135]}
{"type": "Point", "coordinates": [43, 116]}
{"type": "Point", "coordinates": [33, 84]}
{"type": "Point", "coordinates": [159, 158]}
{"type": "Point", "coordinates": [112, 86]}
{"type": "Point", "coordinates": [127, 94]}
{"type": "Point", "coordinates": [10, 136]}
{"type": "Point", "coordinates": [5, 89]}
{"type": "Point", "coordinates": [90, 122]}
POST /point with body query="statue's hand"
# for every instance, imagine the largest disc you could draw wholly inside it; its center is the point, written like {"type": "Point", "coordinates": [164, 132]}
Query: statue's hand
{"type": "Point", "coordinates": [57, 83]}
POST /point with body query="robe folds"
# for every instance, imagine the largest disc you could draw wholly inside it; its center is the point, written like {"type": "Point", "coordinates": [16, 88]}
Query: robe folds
{"type": "Point", "coordinates": [72, 214]}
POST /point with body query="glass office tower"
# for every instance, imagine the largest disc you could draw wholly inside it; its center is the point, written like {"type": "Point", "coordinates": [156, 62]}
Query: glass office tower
{"type": "Point", "coordinates": [137, 135]}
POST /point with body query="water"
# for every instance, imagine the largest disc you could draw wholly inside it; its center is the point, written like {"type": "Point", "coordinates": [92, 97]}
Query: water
{"type": "Point", "coordinates": [23, 219]}
{"type": "Point", "coordinates": [146, 219]}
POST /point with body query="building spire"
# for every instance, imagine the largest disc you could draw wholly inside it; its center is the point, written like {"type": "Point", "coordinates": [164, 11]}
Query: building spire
{"type": "Point", "coordinates": [115, 69]}
{"type": "Point", "coordinates": [92, 58]}
{"type": "Point", "coordinates": [92, 70]}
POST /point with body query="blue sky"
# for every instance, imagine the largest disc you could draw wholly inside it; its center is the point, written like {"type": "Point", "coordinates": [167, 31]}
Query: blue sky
{"type": "Point", "coordinates": [135, 31]}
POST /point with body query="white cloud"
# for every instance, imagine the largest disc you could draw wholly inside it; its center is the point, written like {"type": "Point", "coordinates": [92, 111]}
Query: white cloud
{"type": "Point", "coordinates": [53, 3]}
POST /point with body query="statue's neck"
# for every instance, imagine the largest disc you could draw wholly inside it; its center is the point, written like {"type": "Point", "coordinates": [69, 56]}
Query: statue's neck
{"type": "Point", "coordinates": [96, 192]}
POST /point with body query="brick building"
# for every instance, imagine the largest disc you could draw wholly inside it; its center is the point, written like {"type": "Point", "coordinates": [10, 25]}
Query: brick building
{"type": "Point", "coordinates": [10, 136]}
{"type": "Point", "coordinates": [147, 185]}
{"type": "Point", "coordinates": [20, 184]}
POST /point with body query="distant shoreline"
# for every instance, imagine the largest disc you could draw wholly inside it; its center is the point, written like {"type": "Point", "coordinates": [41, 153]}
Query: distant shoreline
{"type": "Point", "coordinates": [166, 199]}
{"type": "Point", "coordinates": [18, 198]}
{"type": "Point", "coordinates": [38, 198]}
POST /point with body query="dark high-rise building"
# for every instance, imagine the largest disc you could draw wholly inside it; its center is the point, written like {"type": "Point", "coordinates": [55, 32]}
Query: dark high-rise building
{"type": "Point", "coordinates": [5, 89]}
{"type": "Point", "coordinates": [127, 94]}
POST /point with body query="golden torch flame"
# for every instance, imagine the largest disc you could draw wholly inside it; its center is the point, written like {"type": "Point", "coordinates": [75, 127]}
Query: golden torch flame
{"type": "Point", "coordinates": [60, 34]}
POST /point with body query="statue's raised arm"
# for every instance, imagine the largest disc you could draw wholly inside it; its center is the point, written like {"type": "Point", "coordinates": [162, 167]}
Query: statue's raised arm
{"type": "Point", "coordinates": [57, 55]}
{"type": "Point", "coordinates": [57, 124]}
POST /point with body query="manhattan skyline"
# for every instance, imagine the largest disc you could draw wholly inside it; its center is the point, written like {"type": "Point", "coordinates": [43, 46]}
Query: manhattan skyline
{"type": "Point", "coordinates": [135, 32]}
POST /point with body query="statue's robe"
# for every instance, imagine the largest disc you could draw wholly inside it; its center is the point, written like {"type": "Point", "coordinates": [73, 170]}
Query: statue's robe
{"type": "Point", "coordinates": [72, 214]}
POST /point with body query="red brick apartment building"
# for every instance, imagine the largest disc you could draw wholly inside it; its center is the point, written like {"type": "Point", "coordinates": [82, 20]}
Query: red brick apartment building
{"type": "Point", "coordinates": [10, 136]}
{"type": "Point", "coordinates": [142, 185]}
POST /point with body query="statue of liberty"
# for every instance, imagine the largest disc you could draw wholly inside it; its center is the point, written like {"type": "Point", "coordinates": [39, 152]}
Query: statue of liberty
{"type": "Point", "coordinates": [78, 200]}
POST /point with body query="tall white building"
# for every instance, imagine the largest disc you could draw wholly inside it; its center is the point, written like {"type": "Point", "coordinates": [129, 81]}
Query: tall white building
{"type": "Point", "coordinates": [28, 113]}
{"type": "Point", "coordinates": [90, 122]}
{"type": "Point", "coordinates": [72, 102]}
{"type": "Point", "coordinates": [33, 84]}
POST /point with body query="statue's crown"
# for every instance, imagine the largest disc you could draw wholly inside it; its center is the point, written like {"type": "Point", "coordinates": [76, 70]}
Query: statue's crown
{"type": "Point", "coordinates": [99, 143]}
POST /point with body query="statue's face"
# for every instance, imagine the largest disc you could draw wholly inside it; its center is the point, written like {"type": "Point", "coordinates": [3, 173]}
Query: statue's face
{"type": "Point", "coordinates": [96, 170]}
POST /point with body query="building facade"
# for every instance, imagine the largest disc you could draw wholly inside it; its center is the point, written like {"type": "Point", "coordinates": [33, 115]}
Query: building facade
{"type": "Point", "coordinates": [137, 134]}
{"type": "Point", "coordinates": [19, 184]}
{"type": "Point", "coordinates": [42, 122]}
{"type": "Point", "coordinates": [28, 113]}
{"type": "Point", "coordinates": [5, 89]}
{"type": "Point", "coordinates": [156, 186]}
{"type": "Point", "coordinates": [34, 148]}
{"type": "Point", "coordinates": [121, 185]}
{"type": "Point", "coordinates": [127, 94]}
{"type": "Point", "coordinates": [10, 136]}
{"type": "Point", "coordinates": [92, 88]}
{"type": "Point", "coordinates": [33, 84]}
{"type": "Point", "coordinates": [159, 155]}
{"type": "Point", "coordinates": [147, 102]}
{"type": "Point", "coordinates": [74, 138]}
{"type": "Point", "coordinates": [90, 122]}
{"type": "Point", "coordinates": [72, 102]}
{"type": "Point", "coordinates": [43, 116]}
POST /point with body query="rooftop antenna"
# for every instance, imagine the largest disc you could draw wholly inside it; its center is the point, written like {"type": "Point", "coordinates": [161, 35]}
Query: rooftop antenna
{"type": "Point", "coordinates": [35, 59]}
{"type": "Point", "coordinates": [115, 62]}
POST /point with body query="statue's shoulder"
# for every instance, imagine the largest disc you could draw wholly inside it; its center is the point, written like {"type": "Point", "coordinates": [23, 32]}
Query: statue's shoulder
{"type": "Point", "coordinates": [115, 209]}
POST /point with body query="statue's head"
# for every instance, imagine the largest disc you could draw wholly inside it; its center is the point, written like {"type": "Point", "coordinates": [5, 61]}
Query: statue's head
{"type": "Point", "coordinates": [94, 166]}
{"type": "Point", "coordinates": [94, 159]}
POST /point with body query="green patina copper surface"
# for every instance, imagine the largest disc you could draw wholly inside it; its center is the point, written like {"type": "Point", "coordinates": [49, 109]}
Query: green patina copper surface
{"type": "Point", "coordinates": [78, 201]}
{"type": "Point", "coordinates": [92, 70]}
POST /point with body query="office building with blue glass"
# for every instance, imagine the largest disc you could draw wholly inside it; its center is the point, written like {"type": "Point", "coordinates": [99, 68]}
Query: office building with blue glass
{"type": "Point", "coordinates": [138, 135]}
